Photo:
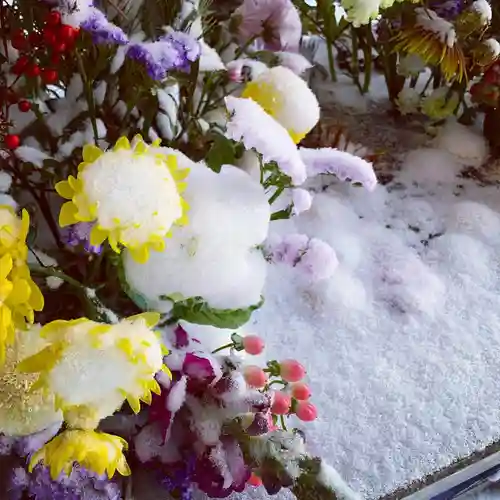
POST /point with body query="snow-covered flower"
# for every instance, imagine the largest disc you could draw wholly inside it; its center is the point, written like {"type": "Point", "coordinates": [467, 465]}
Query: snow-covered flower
{"type": "Point", "coordinates": [440, 104]}
{"type": "Point", "coordinates": [102, 30]}
{"type": "Point", "coordinates": [293, 61]}
{"type": "Point", "coordinates": [276, 22]}
{"type": "Point", "coordinates": [174, 51]}
{"type": "Point", "coordinates": [75, 12]}
{"type": "Point", "coordinates": [131, 193]}
{"type": "Point", "coordinates": [252, 126]}
{"type": "Point", "coordinates": [408, 100]}
{"type": "Point", "coordinates": [91, 368]}
{"type": "Point", "coordinates": [287, 98]}
{"type": "Point", "coordinates": [214, 257]}
{"type": "Point", "coordinates": [24, 411]}
{"type": "Point", "coordinates": [340, 163]}
{"type": "Point", "coordinates": [301, 200]}
{"type": "Point", "coordinates": [487, 51]}
{"type": "Point", "coordinates": [435, 40]}
{"type": "Point", "coordinates": [315, 259]}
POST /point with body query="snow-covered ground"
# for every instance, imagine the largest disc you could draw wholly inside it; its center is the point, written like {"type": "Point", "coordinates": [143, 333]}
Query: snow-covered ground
{"type": "Point", "coordinates": [402, 343]}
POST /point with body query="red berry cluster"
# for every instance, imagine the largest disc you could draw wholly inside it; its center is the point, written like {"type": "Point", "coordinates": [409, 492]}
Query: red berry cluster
{"type": "Point", "coordinates": [47, 47]}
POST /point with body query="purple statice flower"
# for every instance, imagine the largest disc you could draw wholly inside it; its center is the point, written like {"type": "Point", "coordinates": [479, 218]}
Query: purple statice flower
{"type": "Point", "coordinates": [174, 51]}
{"type": "Point", "coordinates": [102, 30]}
{"type": "Point", "coordinates": [79, 234]}
{"type": "Point", "coordinates": [81, 484]}
{"type": "Point", "coordinates": [447, 9]}
{"type": "Point", "coordinates": [179, 479]}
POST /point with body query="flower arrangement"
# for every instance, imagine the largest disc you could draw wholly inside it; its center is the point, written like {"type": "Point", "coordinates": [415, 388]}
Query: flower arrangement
{"type": "Point", "coordinates": [146, 152]}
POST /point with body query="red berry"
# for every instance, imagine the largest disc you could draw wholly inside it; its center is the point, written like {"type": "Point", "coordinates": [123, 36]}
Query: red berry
{"type": "Point", "coordinates": [67, 33]}
{"type": "Point", "coordinates": [18, 40]}
{"type": "Point", "coordinates": [49, 36]}
{"type": "Point", "coordinates": [35, 39]}
{"type": "Point", "coordinates": [254, 480]}
{"type": "Point", "coordinates": [24, 106]}
{"type": "Point", "coordinates": [20, 65]}
{"type": "Point", "coordinates": [33, 70]}
{"type": "Point", "coordinates": [12, 141]}
{"type": "Point", "coordinates": [55, 58]}
{"type": "Point", "coordinates": [291, 370]}
{"type": "Point", "coordinates": [53, 18]}
{"type": "Point", "coordinates": [253, 344]}
{"type": "Point", "coordinates": [301, 391]}
{"type": "Point", "coordinates": [254, 376]}
{"type": "Point", "coordinates": [59, 47]}
{"type": "Point", "coordinates": [49, 75]}
{"type": "Point", "coordinates": [281, 403]}
{"type": "Point", "coordinates": [306, 411]}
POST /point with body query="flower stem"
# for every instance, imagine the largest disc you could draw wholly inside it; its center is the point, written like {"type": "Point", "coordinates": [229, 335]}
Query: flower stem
{"type": "Point", "coordinates": [226, 346]}
{"type": "Point", "coordinates": [51, 271]}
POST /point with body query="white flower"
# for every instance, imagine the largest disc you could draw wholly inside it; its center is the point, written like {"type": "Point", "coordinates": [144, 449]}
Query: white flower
{"type": "Point", "coordinates": [214, 257]}
{"type": "Point", "coordinates": [301, 200]}
{"type": "Point", "coordinates": [492, 46]}
{"type": "Point", "coordinates": [408, 100]}
{"type": "Point", "coordinates": [294, 61]}
{"type": "Point", "coordinates": [287, 98]}
{"type": "Point", "coordinates": [91, 368]}
{"type": "Point", "coordinates": [251, 125]}
{"type": "Point", "coordinates": [430, 21]}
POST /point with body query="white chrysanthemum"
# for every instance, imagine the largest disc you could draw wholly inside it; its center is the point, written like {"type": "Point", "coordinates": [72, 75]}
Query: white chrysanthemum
{"type": "Point", "coordinates": [91, 368]}
{"type": "Point", "coordinates": [287, 98]}
{"type": "Point", "coordinates": [251, 125]}
{"type": "Point", "coordinates": [131, 193]}
{"type": "Point", "coordinates": [22, 411]}
{"type": "Point", "coordinates": [215, 256]}
{"type": "Point", "coordinates": [408, 100]}
{"type": "Point", "coordinates": [492, 46]}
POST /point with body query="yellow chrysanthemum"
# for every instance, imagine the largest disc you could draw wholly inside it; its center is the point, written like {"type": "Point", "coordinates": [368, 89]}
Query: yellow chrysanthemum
{"type": "Point", "coordinates": [287, 98]}
{"type": "Point", "coordinates": [435, 41]}
{"type": "Point", "coordinates": [132, 193]}
{"type": "Point", "coordinates": [19, 295]}
{"type": "Point", "coordinates": [13, 232]}
{"type": "Point", "coordinates": [440, 104]}
{"type": "Point", "coordinates": [91, 368]}
{"type": "Point", "coordinates": [24, 411]}
{"type": "Point", "coordinates": [96, 451]}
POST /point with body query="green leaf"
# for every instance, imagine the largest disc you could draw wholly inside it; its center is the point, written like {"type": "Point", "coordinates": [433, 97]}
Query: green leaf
{"type": "Point", "coordinates": [222, 152]}
{"type": "Point", "coordinates": [196, 310]}
{"type": "Point", "coordinates": [135, 297]}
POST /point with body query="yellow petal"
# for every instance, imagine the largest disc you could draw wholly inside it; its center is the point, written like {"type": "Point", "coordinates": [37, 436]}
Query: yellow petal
{"type": "Point", "coordinates": [156, 143]}
{"type": "Point", "coordinates": [140, 254]}
{"type": "Point", "coordinates": [140, 147]}
{"type": "Point", "coordinates": [122, 143]}
{"type": "Point", "coordinates": [44, 360]}
{"type": "Point", "coordinates": [75, 183]}
{"type": "Point", "coordinates": [68, 214]}
{"type": "Point", "coordinates": [134, 403]}
{"type": "Point", "coordinates": [97, 236]}
{"type": "Point", "coordinates": [64, 189]}
{"type": "Point", "coordinates": [91, 153]}
{"type": "Point", "coordinates": [151, 318]}
{"type": "Point", "coordinates": [20, 293]}
{"type": "Point", "coordinates": [5, 266]}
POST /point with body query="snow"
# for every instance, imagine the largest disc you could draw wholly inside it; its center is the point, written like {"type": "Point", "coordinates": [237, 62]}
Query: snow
{"type": "Point", "coordinates": [406, 332]}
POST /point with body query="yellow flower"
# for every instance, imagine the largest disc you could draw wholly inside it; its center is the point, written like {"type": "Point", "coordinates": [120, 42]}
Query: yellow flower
{"type": "Point", "coordinates": [96, 451]}
{"type": "Point", "coordinates": [92, 368]}
{"type": "Point", "coordinates": [441, 104]}
{"type": "Point", "coordinates": [131, 193]}
{"type": "Point", "coordinates": [287, 98]}
{"type": "Point", "coordinates": [23, 410]}
{"type": "Point", "coordinates": [435, 41]}
{"type": "Point", "coordinates": [19, 298]}
{"type": "Point", "coordinates": [13, 232]}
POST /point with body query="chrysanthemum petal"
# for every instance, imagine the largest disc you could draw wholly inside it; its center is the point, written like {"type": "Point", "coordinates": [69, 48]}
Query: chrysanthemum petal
{"type": "Point", "coordinates": [68, 214]}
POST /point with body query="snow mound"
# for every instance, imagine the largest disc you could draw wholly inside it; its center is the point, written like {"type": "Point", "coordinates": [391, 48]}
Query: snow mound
{"type": "Point", "coordinates": [429, 165]}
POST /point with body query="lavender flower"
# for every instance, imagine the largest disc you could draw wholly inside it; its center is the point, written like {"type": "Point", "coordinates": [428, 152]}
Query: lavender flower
{"type": "Point", "coordinates": [79, 234]}
{"type": "Point", "coordinates": [81, 484]}
{"type": "Point", "coordinates": [447, 9]}
{"type": "Point", "coordinates": [102, 30]}
{"type": "Point", "coordinates": [174, 51]}
{"type": "Point", "coordinates": [302, 200]}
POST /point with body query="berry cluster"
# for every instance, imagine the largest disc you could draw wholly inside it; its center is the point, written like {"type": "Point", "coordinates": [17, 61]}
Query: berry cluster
{"type": "Point", "coordinates": [42, 52]}
{"type": "Point", "coordinates": [487, 90]}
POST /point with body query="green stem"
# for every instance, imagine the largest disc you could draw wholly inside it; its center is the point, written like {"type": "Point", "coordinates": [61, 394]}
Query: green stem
{"type": "Point", "coordinates": [283, 425]}
{"type": "Point", "coordinates": [276, 195]}
{"type": "Point", "coordinates": [226, 346]}
{"type": "Point", "coordinates": [355, 59]}
{"type": "Point", "coordinates": [367, 50]}
{"type": "Point", "coordinates": [50, 271]}
{"type": "Point", "coordinates": [329, 33]}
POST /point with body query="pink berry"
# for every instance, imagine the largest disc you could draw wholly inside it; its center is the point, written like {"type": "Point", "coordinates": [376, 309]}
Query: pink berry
{"type": "Point", "coordinates": [255, 376]}
{"type": "Point", "coordinates": [281, 403]}
{"type": "Point", "coordinates": [306, 411]}
{"type": "Point", "coordinates": [253, 344]}
{"type": "Point", "coordinates": [301, 391]}
{"type": "Point", "coordinates": [254, 480]}
{"type": "Point", "coordinates": [291, 370]}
